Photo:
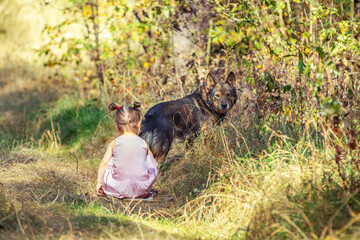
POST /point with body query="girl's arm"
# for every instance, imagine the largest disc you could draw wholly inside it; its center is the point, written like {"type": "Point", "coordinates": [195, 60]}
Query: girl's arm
{"type": "Point", "coordinates": [148, 150]}
{"type": "Point", "coordinates": [102, 167]}
{"type": "Point", "coordinates": [152, 164]}
{"type": "Point", "coordinates": [150, 153]}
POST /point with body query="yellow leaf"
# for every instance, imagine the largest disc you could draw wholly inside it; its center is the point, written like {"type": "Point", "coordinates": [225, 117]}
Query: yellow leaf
{"type": "Point", "coordinates": [345, 62]}
{"type": "Point", "coordinates": [259, 66]}
{"type": "Point", "coordinates": [221, 39]}
{"type": "Point", "coordinates": [342, 28]}
{"type": "Point", "coordinates": [87, 11]}
{"type": "Point", "coordinates": [135, 37]}
{"type": "Point", "coordinates": [240, 35]}
{"type": "Point", "coordinates": [307, 50]}
{"type": "Point", "coordinates": [146, 65]}
{"type": "Point", "coordinates": [281, 4]}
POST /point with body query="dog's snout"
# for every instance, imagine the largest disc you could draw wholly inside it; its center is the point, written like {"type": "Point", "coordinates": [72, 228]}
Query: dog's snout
{"type": "Point", "coordinates": [224, 105]}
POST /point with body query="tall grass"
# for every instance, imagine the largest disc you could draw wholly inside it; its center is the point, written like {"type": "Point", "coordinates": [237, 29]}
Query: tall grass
{"type": "Point", "coordinates": [234, 183]}
{"type": "Point", "coordinates": [289, 191]}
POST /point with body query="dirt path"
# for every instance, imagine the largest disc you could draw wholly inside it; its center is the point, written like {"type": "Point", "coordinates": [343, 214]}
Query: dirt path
{"type": "Point", "coordinates": [42, 194]}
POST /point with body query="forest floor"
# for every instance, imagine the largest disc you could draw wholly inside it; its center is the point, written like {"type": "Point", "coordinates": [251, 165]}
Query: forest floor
{"type": "Point", "coordinates": [47, 187]}
{"type": "Point", "coordinates": [49, 198]}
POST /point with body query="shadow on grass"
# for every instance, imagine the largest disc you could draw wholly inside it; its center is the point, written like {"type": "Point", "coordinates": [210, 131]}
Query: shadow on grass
{"type": "Point", "coordinates": [77, 118]}
{"type": "Point", "coordinates": [73, 225]}
{"type": "Point", "coordinates": [52, 205]}
{"type": "Point", "coordinates": [27, 113]}
{"type": "Point", "coordinates": [20, 110]}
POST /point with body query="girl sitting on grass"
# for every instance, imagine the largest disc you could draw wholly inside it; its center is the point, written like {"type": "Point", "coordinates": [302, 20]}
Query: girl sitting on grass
{"type": "Point", "coordinates": [128, 168]}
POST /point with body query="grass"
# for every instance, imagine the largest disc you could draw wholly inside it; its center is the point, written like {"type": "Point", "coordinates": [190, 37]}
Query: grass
{"type": "Point", "coordinates": [289, 191]}
{"type": "Point", "coordinates": [233, 184]}
{"type": "Point", "coordinates": [78, 118]}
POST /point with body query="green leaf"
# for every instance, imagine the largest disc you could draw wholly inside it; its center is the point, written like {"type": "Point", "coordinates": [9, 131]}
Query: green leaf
{"type": "Point", "coordinates": [308, 67]}
{"type": "Point", "coordinates": [289, 55]}
{"type": "Point", "coordinates": [287, 88]}
{"type": "Point", "coordinates": [320, 52]}
{"type": "Point", "coordinates": [306, 35]}
{"type": "Point", "coordinates": [350, 92]}
{"type": "Point", "coordinates": [301, 63]}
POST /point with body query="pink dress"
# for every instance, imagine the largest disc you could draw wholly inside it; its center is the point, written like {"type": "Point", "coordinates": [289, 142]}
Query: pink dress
{"type": "Point", "coordinates": [131, 172]}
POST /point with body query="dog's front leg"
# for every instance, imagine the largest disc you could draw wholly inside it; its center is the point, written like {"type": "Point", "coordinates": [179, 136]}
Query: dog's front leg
{"type": "Point", "coordinates": [207, 131]}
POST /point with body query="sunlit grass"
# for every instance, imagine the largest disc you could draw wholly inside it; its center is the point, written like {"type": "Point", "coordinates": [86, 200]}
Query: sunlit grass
{"type": "Point", "coordinates": [279, 194]}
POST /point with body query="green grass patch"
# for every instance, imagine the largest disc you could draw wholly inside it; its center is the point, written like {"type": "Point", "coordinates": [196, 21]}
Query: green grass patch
{"type": "Point", "coordinates": [76, 118]}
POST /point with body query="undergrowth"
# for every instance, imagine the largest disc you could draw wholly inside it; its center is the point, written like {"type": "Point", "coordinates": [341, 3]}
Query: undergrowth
{"type": "Point", "coordinates": [212, 190]}
{"type": "Point", "coordinates": [240, 181]}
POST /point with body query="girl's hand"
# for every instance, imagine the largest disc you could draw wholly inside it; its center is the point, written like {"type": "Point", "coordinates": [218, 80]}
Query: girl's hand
{"type": "Point", "coordinates": [99, 189]}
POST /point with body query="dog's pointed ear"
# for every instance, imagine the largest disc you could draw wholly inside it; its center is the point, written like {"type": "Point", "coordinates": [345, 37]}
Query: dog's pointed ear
{"type": "Point", "coordinates": [231, 80]}
{"type": "Point", "coordinates": [210, 81]}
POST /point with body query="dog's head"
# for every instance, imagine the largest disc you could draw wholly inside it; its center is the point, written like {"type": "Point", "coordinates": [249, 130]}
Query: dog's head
{"type": "Point", "coordinates": [220, 96]}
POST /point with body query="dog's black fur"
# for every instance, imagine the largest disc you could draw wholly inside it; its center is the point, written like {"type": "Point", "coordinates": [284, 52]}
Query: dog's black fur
{"type": "Point", "coordinates": [186, 117]}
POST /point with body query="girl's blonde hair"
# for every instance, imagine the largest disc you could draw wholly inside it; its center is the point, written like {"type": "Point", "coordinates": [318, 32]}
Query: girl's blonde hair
{"type": "Point", "coordinates": [127, 117]}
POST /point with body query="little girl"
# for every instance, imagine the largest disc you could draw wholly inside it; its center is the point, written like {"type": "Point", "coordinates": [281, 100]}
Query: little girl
{"type": "Point", "coordinates": [128, 168]}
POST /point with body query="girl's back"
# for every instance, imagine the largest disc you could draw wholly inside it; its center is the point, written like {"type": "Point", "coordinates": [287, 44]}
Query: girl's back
{"type": "Point", "coordinates": [129, 159]}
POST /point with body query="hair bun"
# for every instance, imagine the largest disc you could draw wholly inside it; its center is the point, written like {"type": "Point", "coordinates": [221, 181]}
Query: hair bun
{"type": "Point", "coordinates": [112, 107]}
{"type": "Point", "coordinates": [136, 105]}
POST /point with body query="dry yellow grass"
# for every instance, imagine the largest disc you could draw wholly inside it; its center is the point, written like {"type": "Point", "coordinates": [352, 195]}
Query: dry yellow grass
{"type": "Point", "coordinates": [43, 196]}
{"type": "Point", "coordinates": [289, 192]}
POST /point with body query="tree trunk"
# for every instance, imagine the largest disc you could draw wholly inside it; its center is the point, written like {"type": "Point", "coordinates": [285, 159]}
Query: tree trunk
{"type": "Point", "coordinates": [98, 64]}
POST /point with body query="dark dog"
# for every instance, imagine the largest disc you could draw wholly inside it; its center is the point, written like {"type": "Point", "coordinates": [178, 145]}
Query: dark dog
{"type": "Point", "coordinates": [186, 117]}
